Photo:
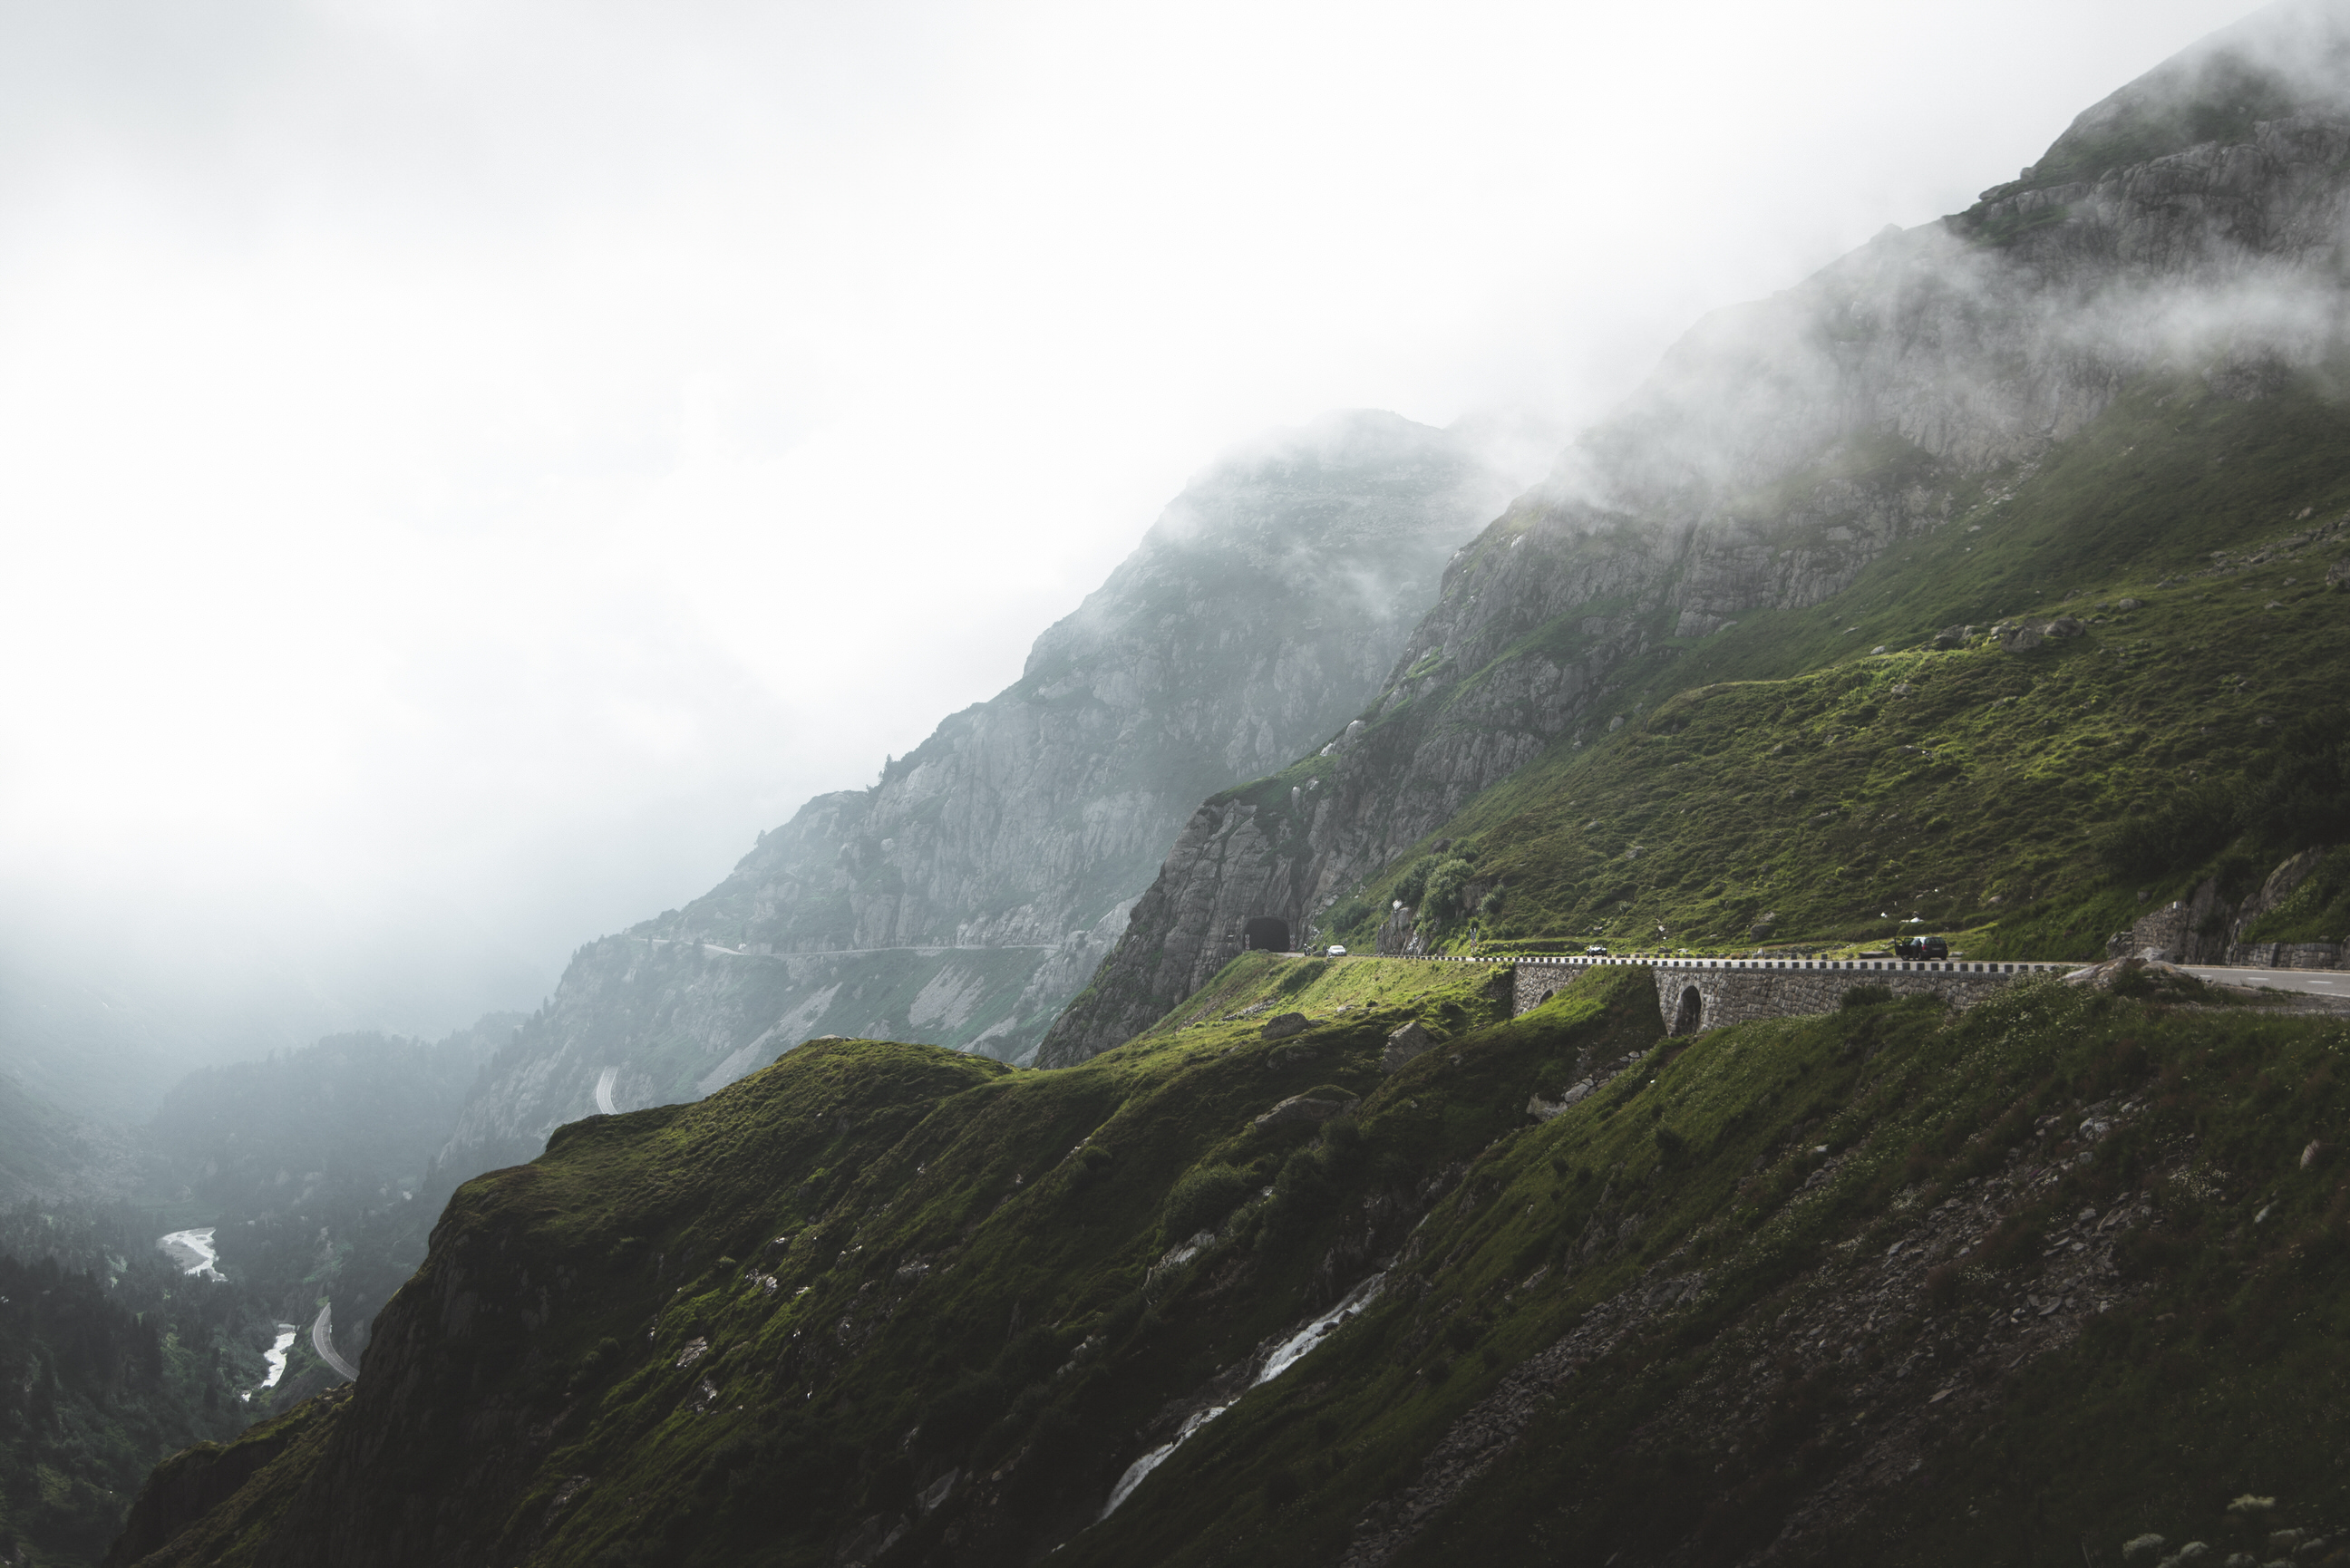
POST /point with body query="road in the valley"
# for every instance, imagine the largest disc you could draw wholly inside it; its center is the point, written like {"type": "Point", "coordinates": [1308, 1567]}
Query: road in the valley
{"type": "Point", "coordinates": [322, 1340]}
{"type": "Point", "coordinates": [604, 1091]}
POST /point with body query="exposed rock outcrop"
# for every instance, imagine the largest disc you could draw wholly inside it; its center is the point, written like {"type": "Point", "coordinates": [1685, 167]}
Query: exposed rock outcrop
{"type": "Point", "coordinates": [1779, 449]}
{"type": "Point", "coordinates": [2206, 928]}
{"type": "Point", "coordinates": [966, 896]}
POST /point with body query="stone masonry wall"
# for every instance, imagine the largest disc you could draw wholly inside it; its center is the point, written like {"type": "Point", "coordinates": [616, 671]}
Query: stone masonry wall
{"type": "Point", "coordinates": [1738, 991]}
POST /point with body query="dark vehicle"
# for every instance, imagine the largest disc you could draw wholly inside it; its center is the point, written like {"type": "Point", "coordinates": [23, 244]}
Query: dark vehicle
{"type": "Point", "coordinates": [1922, 949]}
{"type": "Point", "coordinates": [1596, 949]}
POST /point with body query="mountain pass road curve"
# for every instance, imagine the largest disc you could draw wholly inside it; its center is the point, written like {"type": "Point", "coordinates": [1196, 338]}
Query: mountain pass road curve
{"type": "Point", "coordinates": [322, 1340]}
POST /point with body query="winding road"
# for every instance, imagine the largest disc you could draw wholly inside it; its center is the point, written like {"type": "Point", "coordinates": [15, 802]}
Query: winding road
{"type": "Point", "coordinates": [322, 1340]}
{"type": "Point", "coordinates": [604, 1091]}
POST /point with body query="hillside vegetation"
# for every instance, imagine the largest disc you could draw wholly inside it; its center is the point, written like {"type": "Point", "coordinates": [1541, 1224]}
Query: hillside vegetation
{"type": "Point", "coordinates": [1784, 767]}
{"type": "Point", "coordinates": [1984, 581]}
{"type": "Point", "coordinates": [2067, 1268]}
{"type": "Point", "coordinates": [110, 1358]}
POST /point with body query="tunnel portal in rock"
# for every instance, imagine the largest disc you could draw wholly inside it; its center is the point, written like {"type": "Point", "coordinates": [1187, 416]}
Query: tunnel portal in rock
{"type": "Point", "coordinates": [1689, 1017]}
{"type": "Point", "coordinates": [1267, 934]}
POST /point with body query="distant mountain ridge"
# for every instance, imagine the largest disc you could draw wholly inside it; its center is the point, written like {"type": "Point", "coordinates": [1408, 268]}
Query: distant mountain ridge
{"type": "Point", "coordinates": [967, 895]}
{"type": "Point", "coordinates": [1780, 450]}
{"type": "Point", "coordinates": [1348, 1261]}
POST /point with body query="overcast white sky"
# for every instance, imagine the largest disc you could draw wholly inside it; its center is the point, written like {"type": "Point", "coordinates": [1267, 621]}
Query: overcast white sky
{"type": "Point", "coordinates": [465, 467]}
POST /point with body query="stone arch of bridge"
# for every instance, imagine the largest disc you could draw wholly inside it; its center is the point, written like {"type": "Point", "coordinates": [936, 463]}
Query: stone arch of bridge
{"type": "Point", "coordinates": [1689, 1016]}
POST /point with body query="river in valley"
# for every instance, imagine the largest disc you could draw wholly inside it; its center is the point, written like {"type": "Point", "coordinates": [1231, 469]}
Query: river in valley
{"type": "Point", "coordinates": [193, 1251]}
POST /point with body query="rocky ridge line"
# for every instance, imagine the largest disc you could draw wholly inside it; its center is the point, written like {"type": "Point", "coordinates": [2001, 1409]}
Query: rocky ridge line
{"type": "Point", "coordinates": [1779, 449]}
{"type": "Point", "coordinates": [967, 895]}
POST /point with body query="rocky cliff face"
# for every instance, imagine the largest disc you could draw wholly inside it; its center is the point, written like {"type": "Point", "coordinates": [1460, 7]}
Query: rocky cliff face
{"type": "Point", "coordinates": [1778, 450]}
{"type": "Point", "coordinates": [964, 897]}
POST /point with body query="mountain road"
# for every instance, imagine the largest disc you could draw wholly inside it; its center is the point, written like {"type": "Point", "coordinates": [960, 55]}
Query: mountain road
{"type": "Point", "coordinates": [2324, 983]}
{"type": "Point", "coordinates": [322, 1340]}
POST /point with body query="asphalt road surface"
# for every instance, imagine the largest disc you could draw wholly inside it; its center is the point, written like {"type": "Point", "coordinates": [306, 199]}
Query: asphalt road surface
{"type": "Point", "coordinates": [322, 1340]}
{"type": "Point", "coordinates": [2321, 982]}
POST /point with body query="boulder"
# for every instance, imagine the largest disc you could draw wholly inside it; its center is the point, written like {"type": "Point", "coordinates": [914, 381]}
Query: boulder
{"type": "Point", "coordinates": [1281, 1025]}
{"type": "Point", "coordinates": [1404, 1044]}
{"type": "Point", "coordinates": [2023, 637]}
{"type": "Point", "coordinates": [1305, 1109]}
{"type": "Point", "coordinates": [2337, 575]}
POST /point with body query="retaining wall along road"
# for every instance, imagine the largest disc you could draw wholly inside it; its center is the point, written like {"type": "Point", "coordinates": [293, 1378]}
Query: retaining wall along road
{"type": "Point", "coordinates": [1708, 993]}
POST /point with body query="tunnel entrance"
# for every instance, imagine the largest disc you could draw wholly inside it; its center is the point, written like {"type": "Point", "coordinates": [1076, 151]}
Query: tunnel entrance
{"type": "Point", "coordinates": [1266, 934]}
{"type": "Point", "coordinates": [1691, 1016]}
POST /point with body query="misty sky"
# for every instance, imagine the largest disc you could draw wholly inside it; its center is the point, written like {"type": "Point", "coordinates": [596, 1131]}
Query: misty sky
{"type": "Point", "coordinates": [466, 468]}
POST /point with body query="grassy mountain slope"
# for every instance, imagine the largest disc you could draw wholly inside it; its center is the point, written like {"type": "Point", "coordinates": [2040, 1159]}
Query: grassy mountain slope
{"type": "Point", "coordinates": [884, 1303]}
{"type": "Point", "coordinates": [1780, 767]}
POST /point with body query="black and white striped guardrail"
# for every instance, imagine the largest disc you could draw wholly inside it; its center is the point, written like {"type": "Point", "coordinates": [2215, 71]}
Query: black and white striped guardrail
{"type": "Point", "coordinates": [1890, 966]}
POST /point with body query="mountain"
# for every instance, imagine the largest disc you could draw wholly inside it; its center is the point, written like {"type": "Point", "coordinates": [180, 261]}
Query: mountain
{"type": "Point", "coordinates": [46, 1154]}
{"type": "Point", "coordinates": [115, 1360]}
{"type": "Point", "coordinates": [1987, 581]}
{"type": "Point", "coordinates": [966, 896]}
{"type": "Point", "coordinates": [2060, 400]}
{"type": "Point", "coordinates": [308, 1178]}
{"type": "Point", "coordinates": [1886, 1286]}
{"type": "Point", "coordinates": [315, 1167]}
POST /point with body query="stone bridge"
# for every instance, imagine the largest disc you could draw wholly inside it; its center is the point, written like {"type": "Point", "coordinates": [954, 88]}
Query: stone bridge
{"type": "Point", "coordinates": [1695, 994]}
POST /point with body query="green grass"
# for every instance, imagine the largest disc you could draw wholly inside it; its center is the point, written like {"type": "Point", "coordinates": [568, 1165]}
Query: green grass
{"type": "Point", "coordinates": [966, 1259]}
{"type": "Point", "coordinates": [1779, 768]}
{"type": "Point", "coordinates": [2217, 1378]}
{"type": "Point", "coordinates": [2316, 911]}
{"type": "Point", "coordinates": [758, 1327]}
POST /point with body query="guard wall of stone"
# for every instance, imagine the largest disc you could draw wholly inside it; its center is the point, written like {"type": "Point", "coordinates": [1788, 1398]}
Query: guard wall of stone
{"type": "Point", "coordinates": [1738, 991]}
{"type": "Point", "coordinates": [2286, 955]}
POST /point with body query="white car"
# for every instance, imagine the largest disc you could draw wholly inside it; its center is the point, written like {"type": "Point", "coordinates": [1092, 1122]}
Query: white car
{"type": "Point", "coordinates": [1337, 951]}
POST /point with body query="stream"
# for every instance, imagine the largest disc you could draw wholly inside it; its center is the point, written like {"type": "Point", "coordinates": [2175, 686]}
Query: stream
{"type": "Point", "coordinates": [1283, 1356]}
{"type": "Point", "coordinates": [275, 1357]}
{"type": "Point", "coordinates": [192, 1251]}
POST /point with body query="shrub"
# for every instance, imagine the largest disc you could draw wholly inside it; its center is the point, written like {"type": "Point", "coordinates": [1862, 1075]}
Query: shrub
{"type": "Point", "coordinates": [1414, 881]}
{"type": "Point", "coordinates": [1444, 885]}
{"type": "Point", "coordinates": [1867, 996]}
{"type": "Point", "coordinates": [1302, 1193]}
{"type": "Point", "coordinates": [2185, 828]}
{"type": "Point", "coordinates": [1201, 1200]}
{"type": "Point", "coordinates": [1092, 1168]}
